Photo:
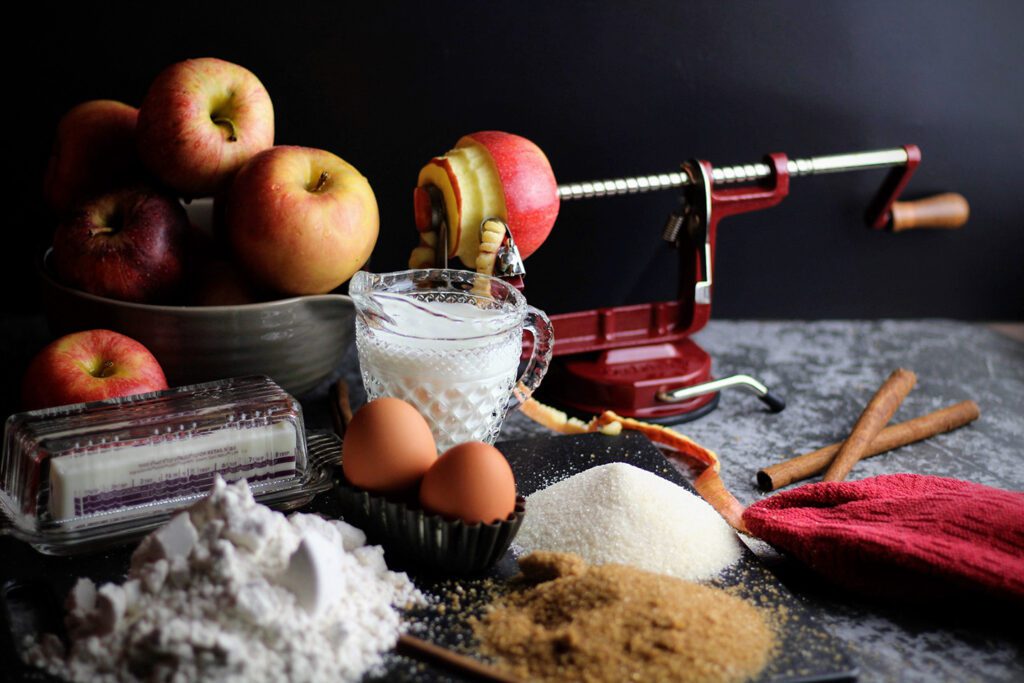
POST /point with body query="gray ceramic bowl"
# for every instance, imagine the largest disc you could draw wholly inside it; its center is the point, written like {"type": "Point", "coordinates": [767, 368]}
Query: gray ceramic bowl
{"type": "Point", "coordinates": [298, 342]}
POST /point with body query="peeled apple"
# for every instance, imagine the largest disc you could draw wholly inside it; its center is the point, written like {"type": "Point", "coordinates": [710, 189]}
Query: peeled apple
{"type": "Point", "coordinates": [490, 174]}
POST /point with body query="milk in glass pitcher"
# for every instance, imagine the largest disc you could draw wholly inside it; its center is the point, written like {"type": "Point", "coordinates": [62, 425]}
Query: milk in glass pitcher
{"type": "Point", "coordinates": [449, 342]}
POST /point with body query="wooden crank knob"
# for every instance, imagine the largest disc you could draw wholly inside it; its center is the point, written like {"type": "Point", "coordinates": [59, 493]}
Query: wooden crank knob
{"type": "Point", "coordinates": [949, 211]}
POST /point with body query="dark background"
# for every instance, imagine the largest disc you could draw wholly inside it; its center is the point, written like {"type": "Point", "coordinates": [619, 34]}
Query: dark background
{"type": "Point", "coordinates": [607, 89]}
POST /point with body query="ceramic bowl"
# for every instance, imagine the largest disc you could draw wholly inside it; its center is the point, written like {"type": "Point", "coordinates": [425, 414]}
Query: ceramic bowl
{"type": "Point", "coordinates": [298, 342]}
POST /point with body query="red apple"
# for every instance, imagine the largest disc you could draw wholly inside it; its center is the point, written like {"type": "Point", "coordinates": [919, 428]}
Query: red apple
{"type": "Point", "coordinates": [219, 282]}
{"type": "Point", "coordinates": [125, 245]}
{"type": "Point", "coordinates": [488, 174]}
{"type": "Point", "coordinates": [93, 152]}
{"type": "Point", "coordinates": [300, 220]}
{"type": "Point", "coordinates": [90, 366]}
{"type": "Point", "coordinates": [200, 121]}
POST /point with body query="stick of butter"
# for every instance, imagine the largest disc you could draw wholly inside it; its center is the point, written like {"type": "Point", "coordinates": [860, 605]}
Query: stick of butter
{"type": "Point", "coordinates": [101, 480]}
{"type": "Point", "coordinates": [135, 456]}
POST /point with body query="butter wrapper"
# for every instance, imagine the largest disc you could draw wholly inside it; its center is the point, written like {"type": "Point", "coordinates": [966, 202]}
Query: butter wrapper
{"type": "Point", "coordinates": [73, 467]}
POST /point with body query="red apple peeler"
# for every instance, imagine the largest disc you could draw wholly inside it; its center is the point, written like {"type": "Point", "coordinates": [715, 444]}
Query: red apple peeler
{"type": "Point", "coordinates": [640, 360]}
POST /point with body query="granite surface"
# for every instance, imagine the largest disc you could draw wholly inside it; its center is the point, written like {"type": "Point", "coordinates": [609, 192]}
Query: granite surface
{"type": "Point", "coordinates": [827, 371]}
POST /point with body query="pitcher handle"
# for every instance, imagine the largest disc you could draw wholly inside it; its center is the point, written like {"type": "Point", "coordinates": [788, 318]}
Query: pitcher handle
{"type": "Point", "coordinates": [537, 324]}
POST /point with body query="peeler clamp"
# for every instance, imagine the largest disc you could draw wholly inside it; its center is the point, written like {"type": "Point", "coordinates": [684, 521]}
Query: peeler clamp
{"type": "Point", "coordinates": [508, 263]}
{"type": "Point", "coordinates": [698, 213]}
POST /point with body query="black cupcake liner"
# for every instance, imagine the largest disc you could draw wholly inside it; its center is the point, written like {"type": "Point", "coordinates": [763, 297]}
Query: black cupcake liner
{"type": "Point", "coordinates": [423, 541]}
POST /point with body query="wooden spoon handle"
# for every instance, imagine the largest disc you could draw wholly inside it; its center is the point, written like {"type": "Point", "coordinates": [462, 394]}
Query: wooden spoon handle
{"type": "Point", "coordinates": [949, 211]}
{"type": "Point", "coordinates": [421, 649]}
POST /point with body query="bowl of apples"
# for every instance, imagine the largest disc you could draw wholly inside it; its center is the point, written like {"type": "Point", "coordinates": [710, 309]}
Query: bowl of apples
{"type": "Point", "coordinates": [251, 282]}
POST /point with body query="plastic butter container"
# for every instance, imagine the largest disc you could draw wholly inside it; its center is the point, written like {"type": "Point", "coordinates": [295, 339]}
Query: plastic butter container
{"type": "Point", "coordinates": [84, 476]}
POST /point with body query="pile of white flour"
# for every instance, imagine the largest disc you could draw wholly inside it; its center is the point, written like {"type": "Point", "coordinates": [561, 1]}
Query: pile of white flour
{"type": "Point", "coordinates": [621, 514]}
{"type": "Point", "coordinates": [233, 591]}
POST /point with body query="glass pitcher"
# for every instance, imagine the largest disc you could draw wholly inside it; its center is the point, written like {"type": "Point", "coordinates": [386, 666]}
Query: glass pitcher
{"type": "Point", "coordinates": [449, 342]}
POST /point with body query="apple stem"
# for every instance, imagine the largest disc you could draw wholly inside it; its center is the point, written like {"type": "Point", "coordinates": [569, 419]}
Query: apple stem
{"type": "Point", "coordinates": [100, 231]}
{"type": "Point", "coordinates": [324, 177]}
{"type": "Point", "coordinates": [105, 370]}
{"type": "Point", "coordinates": [229, 124]}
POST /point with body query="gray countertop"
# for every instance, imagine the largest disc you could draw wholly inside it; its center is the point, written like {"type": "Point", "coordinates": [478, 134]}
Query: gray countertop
{"type": "Point", "coordinates": [827, 372]}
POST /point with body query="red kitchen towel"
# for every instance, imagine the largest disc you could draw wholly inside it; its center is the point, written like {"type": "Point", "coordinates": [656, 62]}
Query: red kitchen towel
{"type": "Point", "coordinates": [901, 535]}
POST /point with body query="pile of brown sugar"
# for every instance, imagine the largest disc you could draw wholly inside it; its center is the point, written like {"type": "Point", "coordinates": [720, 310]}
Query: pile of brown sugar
{"type": "Point", "coordinates": [571, 621]}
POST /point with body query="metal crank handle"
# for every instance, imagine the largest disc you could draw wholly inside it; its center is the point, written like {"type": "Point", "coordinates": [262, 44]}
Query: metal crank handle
{"type": "Point", "coordinates": [834, 163]}
{"type": "Point", "coordinates": [775, 403]}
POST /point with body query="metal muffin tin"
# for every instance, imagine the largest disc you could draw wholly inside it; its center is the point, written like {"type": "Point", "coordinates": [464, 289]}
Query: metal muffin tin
{"type": "Point", "coordinates": [412, 537]}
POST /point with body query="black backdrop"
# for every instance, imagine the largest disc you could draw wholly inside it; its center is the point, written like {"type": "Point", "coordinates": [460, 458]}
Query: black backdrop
{"type": "Point", "coordinates": [608, 88]}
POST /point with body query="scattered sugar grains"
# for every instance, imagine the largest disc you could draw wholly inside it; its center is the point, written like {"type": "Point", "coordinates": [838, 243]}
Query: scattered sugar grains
{"type": "Point", "coordinates": [622, 514]}
{"type": "Point", "coordinates": [571, 622]}
{"type": "Point", "coordinates": [233, 591]}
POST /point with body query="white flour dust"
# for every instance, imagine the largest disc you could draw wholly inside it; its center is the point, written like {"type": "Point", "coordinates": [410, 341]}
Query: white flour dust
{"type": "Point", "coordinates": [233, 591]}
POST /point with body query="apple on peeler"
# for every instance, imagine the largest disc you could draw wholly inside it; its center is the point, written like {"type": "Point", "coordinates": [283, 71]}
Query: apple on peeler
{"type": "Point", "coordinates": [489, 174]}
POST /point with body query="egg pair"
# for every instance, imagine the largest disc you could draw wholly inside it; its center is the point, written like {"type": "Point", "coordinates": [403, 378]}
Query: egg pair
{"type": "Point", "coordinates": [389, 449]}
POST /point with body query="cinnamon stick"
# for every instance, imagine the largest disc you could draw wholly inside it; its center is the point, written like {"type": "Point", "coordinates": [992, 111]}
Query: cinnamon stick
{"type": "Point", "coordinates": [422, 649]}
{"type": "Point", "coordinates": [874, 418]}
{"type": "Point", "coordinates": [900, 434]}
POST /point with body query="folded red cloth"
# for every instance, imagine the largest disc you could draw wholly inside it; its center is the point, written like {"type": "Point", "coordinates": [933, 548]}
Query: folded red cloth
{"type": "Point", "coordinates": [901, 535]}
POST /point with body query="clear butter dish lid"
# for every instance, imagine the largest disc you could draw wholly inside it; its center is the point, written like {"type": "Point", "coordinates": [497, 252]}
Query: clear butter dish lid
{"type": "Point", "coordinates": [85, 476]}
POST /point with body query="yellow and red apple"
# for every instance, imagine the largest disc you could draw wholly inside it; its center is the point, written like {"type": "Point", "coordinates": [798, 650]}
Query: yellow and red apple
{"type": "Point", "coordinates": [127, 245]}
{"type": "Point", "coordinates": [200, 121]}
{"type": "Point", "coordinates": [90, 366]}
{"type": "Point", "coordinates": [301, 220]}
{"type": "Point", "coordinates": [490, 174]}
{"type": "Point", "coordinates": [93, 152]}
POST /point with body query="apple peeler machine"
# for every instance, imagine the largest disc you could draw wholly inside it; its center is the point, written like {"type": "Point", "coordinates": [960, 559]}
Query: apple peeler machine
{"type": "Point", "coordinates": [640, 360]}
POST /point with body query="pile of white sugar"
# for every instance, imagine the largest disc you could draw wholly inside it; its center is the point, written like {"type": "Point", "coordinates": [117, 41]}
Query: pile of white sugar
{"type": "Point", "coordinates": [622, 514]}
{"type": "Point", "coordinates": [233, 591]}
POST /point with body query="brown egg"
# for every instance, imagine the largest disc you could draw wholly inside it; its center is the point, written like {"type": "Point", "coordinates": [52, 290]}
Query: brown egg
{"type": "Point", "coordinates": [472, 482]}
{"type": "Point", "coordinates": [388, 447]}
